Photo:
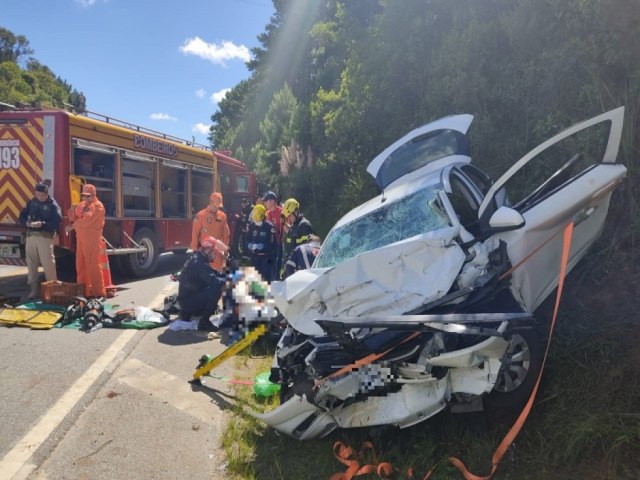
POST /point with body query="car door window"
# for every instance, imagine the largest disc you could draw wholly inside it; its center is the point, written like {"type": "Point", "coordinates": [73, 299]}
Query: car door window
{"type": "Point", "coordinates": [558, 162]}
{"type": "Point", "coordinates": [464, 203]}
{"type": "Point", "coordinates": [556, 166]}
{"type": "Point", "coordinates": [479, 178]}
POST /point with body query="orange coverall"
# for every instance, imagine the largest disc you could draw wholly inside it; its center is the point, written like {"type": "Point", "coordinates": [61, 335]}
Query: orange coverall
{"type": "Point", "coordinates": [207, 224]}
{"type": "Point", "coordinates": [88, 222]}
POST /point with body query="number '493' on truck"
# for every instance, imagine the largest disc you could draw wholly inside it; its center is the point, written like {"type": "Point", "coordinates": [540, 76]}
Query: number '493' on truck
{"type": "Point", "coordinates": [151, 184]}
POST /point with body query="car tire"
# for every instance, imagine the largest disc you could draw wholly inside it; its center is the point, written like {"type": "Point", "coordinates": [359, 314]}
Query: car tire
{"type": "Point", "coordinates": [144, 264]}
{"type": "Point", "coordinates": [519, 371]}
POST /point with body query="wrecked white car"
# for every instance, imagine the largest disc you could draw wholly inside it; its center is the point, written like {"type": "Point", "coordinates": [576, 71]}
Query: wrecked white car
{"type": "Point", "coordinates": [422, 298]}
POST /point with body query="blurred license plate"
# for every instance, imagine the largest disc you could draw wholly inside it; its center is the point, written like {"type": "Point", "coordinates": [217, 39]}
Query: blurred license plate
{"type": "Point", "coordinates": [12, 251]}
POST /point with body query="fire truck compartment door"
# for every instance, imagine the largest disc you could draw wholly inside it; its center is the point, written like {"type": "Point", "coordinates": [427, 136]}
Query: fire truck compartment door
{"type": "Point", "coordinates": [20, 168]}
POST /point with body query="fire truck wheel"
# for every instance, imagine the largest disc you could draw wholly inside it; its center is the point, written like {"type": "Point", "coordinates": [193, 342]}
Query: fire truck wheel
{"type": "Point", "coordinates": [143, 264]}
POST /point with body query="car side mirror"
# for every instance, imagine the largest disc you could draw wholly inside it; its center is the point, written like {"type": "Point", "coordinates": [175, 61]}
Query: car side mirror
{"type": "Point", "coordinates": [505, 219]}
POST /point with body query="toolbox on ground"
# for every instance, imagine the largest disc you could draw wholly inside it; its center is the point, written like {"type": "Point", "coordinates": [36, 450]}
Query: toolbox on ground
{"type": "Point", "coordinates": [59, 293]}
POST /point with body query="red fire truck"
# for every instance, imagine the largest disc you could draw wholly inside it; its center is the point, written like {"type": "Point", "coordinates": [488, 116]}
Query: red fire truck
{"type": "Point", "coordinates": [151, 184]}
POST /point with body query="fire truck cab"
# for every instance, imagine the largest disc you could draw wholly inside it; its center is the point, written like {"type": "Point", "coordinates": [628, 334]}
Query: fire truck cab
{"type": "Point", "coordinates": [151, 184]}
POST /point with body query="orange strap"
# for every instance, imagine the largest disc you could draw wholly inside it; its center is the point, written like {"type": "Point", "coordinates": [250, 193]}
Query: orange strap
{"type": "Point", "coordinates": [346, 455]}
{"type": "Point", "coordinates": [536, 250]}
{"type": "Point", "coordinates": [515, 429]}
{"type": "Point", "coordinates": [372, 357]}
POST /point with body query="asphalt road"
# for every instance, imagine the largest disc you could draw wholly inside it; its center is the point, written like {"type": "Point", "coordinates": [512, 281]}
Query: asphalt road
{"type": "Point", "coordinates": [111, 403]}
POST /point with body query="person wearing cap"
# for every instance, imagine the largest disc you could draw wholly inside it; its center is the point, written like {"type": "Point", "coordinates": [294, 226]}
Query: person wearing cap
{"type": "Point", "coordinates": [87, 219]}
{"type": "Point", "coordinates": [302, 256]}
{"type": "Point", "coordinates": [261, 243]}
{"type": "Point", "coordinates": [42, 218]}
{"type": "Point", "coordinates": [274, 215]}
{"type": "Point", "coordinates": [211, 222]}
{"type": "Point", "coordinates": [296, 227]}
{"type": "Point", "coordinates": [200, 285]}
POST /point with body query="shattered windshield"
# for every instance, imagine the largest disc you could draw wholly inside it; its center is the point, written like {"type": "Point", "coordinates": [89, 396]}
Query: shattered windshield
{"type": "Point", "coordinates": [406, 218]}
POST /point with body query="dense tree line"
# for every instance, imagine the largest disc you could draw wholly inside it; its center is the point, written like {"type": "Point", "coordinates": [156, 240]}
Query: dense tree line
{"type": "Point", "coordinates": [334, 82]}
{"type": "Point", "coordinates": [26, 82]}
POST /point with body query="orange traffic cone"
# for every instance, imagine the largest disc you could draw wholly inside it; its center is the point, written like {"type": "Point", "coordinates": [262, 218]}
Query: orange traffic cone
{"type": "Point", "coordinates": [106, 271]}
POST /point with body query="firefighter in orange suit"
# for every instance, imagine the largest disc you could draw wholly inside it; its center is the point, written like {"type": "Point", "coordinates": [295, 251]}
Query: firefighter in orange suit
{"type": "Point", "coordinates": [87, 220]}
{"type": "Point", "coordinates": [211, 222]}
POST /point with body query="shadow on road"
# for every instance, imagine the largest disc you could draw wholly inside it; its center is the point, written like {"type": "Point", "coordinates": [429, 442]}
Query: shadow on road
{"type": "Point", "coordinates": [184, 337]}
{"type": "Point", "coordinates": [219, 398]}
{"type": "Point", "coordinates": [168, 263]}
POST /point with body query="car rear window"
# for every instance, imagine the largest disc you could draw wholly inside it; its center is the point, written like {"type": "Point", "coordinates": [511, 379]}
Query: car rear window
{"type": "Point", "coordinates": [421, 151]}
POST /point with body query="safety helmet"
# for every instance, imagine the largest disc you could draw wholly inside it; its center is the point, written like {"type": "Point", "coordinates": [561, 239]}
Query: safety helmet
{"type": "Point", "coordinates": [208, 242]}
{"type": "Point", "coordinates": [269, 196]}
{"type": "Point", "coordinates": [290, 206]}
{"type": "Point", "coordinates": [258, 213]}
{"type": "Point", "coordinates": [213, 243]}
{"type": "Point", "coordinates": [88, 189]}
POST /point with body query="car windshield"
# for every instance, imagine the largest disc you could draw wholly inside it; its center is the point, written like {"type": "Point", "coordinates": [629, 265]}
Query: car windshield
{"type": "Point", "coordinates": [413, 215]}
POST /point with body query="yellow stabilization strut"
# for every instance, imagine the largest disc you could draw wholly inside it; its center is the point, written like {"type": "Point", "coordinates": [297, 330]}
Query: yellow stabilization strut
{"type": "Point", "coordinates": [237, 347]}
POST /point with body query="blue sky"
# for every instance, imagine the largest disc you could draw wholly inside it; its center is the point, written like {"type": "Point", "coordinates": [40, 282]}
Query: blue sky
{"type": "Point", "coordinates": [161, 64]}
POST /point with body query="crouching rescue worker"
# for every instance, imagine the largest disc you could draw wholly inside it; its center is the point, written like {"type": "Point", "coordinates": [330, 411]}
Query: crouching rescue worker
{"type": "Point", "coordinates": [42, 218]}
{"type": "Point", "coordinates": [297, 227]}
{"type": "Point", "coordinates": [200, 285]}
{"type": "Point", "coordinates": [211, 222]}
{"type": "Point", "coordinates": [302, 256]}
{"type": "Point", "coordinates": [262, 243]}
{"type": "Point", "coordinates": [87, 219]}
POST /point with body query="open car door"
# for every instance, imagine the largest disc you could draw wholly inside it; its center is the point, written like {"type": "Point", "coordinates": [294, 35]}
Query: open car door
{"type": "Point", "coordinates": [569, 177]}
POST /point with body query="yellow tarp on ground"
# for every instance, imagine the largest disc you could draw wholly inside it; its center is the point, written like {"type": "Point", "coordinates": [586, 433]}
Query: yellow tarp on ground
{"type": "Point", "coordinates": [36, 319]}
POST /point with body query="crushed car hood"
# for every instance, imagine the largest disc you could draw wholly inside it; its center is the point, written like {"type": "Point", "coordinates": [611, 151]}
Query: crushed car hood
{"type": "Point", "coordinates": [390, 280]}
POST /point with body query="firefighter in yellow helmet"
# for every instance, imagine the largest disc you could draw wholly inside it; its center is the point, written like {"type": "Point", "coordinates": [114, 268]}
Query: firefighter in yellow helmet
{"type": "Point", "coordinates": [297, 227]}
{"type": "Point", "coordinates": [262, 243]}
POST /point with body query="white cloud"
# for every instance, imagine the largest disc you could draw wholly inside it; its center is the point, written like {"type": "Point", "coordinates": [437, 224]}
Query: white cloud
{"type": "Point", "coordinates": [201, 92]}
{"type": "Point", "coordinates": [215, 53]}
{"type": "Point", "coordinates": [201, 128]}
{"type": "Point", "coordinates": [88, 3]}
{"type": "Point", "coordinates": [217, 96]}
{"type": "Point", "coordinates": [162, 116]}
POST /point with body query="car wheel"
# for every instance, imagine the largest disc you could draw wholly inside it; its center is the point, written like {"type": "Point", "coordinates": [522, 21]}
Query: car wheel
{"type": "Point", "coordinates": [143, 264]}
{"type": "Point", "coordinates": [519, 372]}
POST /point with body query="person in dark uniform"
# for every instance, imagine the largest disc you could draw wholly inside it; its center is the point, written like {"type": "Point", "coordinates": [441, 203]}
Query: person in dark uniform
{"type": "Point", "coordinates": [262, 243]}
{"type": "Point", "coordinates": [297, 227]}
{"type": "Point", "coordinates": [302, 256]}
{"type": "Point", "coordinates": [240, 233]}
{"type": "Point", "coordinates": [42, 218]}
{"type": "Point", "coordinates": [200, 286]}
